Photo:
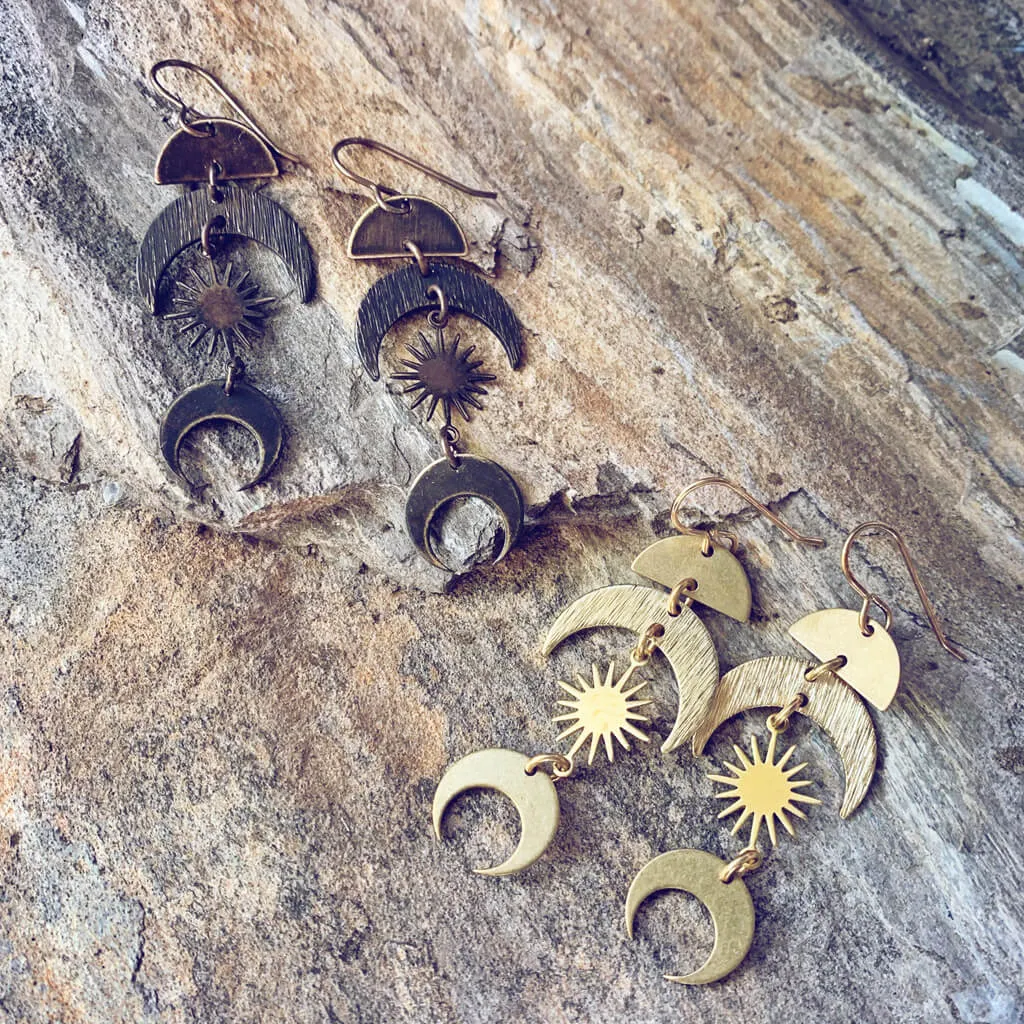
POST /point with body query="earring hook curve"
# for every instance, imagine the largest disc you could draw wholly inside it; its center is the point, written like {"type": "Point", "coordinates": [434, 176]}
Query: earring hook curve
{"type": "Point", "coordinates": [868, 597]}
{"type": "Point", "coordinates": [719, 481]}
{"type": "Point", "coordinates": [187, 113]}
{"type": "Point", "coordinates": [382, 192]}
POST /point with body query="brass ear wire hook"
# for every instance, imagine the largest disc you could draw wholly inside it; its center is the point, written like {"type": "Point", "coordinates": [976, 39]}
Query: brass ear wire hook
{"type": "Point", "coordinates": [715, 534]}
{"type": "Point", "coordinates": [381, 192]}
{"type": "Point", "coordinates": [869, 598]}
{"type": "Point", "coordinates": [187, 114]}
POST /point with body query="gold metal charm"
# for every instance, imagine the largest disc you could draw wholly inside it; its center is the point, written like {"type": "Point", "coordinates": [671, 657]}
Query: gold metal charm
{"type": "Point", "coordinates": [773, 682]}
{"type": "Point", "coordinates": [603, 710]}
{"type": "Point", "coordinates": [684, 641]}
{"type": "Point", "coordinates": [727, 901]}
{"type": "Point", "coordinates": [763, 790]}
{"type": "Point", "coordinates": [870, 661]}
{"type": "Point", "coordinates": [516, 776]}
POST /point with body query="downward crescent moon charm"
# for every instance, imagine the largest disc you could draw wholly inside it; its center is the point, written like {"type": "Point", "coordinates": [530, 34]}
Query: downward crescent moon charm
{"type": "Point", "coordinates": [240, 212]}
{"type": "Point", "coordinates": [203, 403]}
{"type": "Point", "coordinates": [471, 477]}
{"type": "Point", "coordinates": [405, 291]}
{"type": "Point", "coordinates": [686, 644]}
{"type": "Point", "coordinates": [534, 796]}
{"type": "Point", "coordinates": [773, 682]}
{"type": "Point", "coordinates": [728, 903]}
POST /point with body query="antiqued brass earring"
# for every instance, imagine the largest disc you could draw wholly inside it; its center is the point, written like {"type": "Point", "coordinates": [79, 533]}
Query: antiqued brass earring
{"type": "Point", "coordinates": [695, 566]}
{"type": "Point", "coordinates": [439, 374]}
{"type": "Point", "coordinates": [858, 658]}
{"type": "Point", "coordinates": [222, 308]}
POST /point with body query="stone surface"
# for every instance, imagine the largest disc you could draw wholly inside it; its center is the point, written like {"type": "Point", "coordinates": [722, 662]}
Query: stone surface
{"type": "Point", "coordinates": [742, 239]}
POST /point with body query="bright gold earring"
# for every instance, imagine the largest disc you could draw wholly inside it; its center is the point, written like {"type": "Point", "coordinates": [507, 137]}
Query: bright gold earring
{"type": "Point", "coordinates": [858, 657]}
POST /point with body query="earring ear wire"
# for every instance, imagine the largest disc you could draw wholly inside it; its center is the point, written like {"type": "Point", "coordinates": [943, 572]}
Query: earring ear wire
{"type": "Point", "coordinates": [869, 598]}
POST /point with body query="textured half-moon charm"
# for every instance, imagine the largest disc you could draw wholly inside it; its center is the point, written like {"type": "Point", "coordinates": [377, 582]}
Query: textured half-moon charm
{"type": "Point", "coordinates": [772, 683]}
{"type": "Point", "coordinates": [239, 212]}
{"type": "Point", "coordinates": [232, 149]}
{"type": "Point", "coordinates": [404, 291]}
{"type": "Point", "coordinates": [246, 406]}
{"type": "Point", "coordinates": [686, 644]}
{"type": "Point", "coordinates": [471, 477]}
{"type": "Point", "coordinates": [721, 581]}
{"type": "Point", "coordinates": [382, 233]}
{"type": "Point", "coordinates": [728, 903]}
{"type": "Point", "coordinates": [534, 796]}
{"type": "Point", "coordinates": [872, 662]}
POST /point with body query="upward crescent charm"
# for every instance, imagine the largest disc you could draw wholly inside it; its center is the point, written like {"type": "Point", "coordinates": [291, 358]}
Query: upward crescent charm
{"type": "Point", "coordinates": [686, 644]}
{"type": "Point", "coordinates": [534, 796]}
{"type": "Point", "coordinates": [404, 291]}
{"type": "Point", "coordinates": [240, 212]}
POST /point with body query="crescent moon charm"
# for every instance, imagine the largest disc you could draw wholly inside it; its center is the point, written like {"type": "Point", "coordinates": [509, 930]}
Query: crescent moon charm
{"type": "Point", "coordinates": [728, 903]}
{"type": "Point", "coordinates": [831, 704]}
{"type": "Point", "coordinates": [208, 401]}
{"type": "Point", "coordinates": [240, 212]}
{"type": "Point", "coordinates": [533, 795]}
{"type": "Point", "coordinates": [404, 291]}
{"type": "Point", "coordinates": [686, 644]}
{"type": "Point", "coordinates": [471, 477]}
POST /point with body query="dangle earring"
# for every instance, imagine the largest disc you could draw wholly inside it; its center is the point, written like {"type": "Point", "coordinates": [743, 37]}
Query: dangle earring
{"type": "Point", "coordinates": [858, 656]}
{"type": "Point", "coordinates": [696, 566]}
{"type": "Point", "coordinates": [221, 307]}
{"type": "Point", "coordinates": [438, 371]}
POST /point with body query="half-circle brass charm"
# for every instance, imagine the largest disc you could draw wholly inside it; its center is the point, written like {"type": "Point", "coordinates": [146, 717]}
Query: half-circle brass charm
{"type": "Point", "coordinates": [722, 582]}
{"type": "Point", "coordinates": [686, 644]}
{"type": "Point", "coordinates": [534, 796]}
{"type": "Point", "coordinates": [406, 291]}
{"type": "Point", "coordinates": [228, 148]}
{"type": "Point", "coordinates": [382, 234]}
{"type": "Point", "coordinates": [472, 477]}
{"type": "Point", "coordinates": [872, 662]}
{"type": "Point", "coordinates": [728, 903]}
{"type": "Point", "coordinates": [772, 683]}
{"type": "Point", "coordinates": [203, 403]}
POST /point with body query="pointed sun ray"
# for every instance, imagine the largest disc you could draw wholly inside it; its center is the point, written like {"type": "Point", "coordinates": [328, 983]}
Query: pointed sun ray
{"type": "Point", "coordinates": [763, 790]}
{"type": "Point", "coordinates": [602, 711]}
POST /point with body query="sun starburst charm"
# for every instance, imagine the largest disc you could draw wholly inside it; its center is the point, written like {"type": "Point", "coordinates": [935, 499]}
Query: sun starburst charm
{"type": "Point", "coordinates": [444, 375]}
{"type": "Point", "coordinates": [230, 312]}
{"type": "Point", "coordinates": [764, 789]}
{"type": "Point", "coordinates": [602, 710]}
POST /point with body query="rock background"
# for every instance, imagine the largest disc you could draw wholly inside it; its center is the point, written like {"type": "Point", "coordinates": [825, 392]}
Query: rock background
{"type": "Point", "coordinates": [775, 240]}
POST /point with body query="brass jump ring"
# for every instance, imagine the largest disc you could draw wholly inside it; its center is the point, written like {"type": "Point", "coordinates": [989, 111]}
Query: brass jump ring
{"type": "Point", "coordinates": [779, 721]}
{"type": "Point", "coordinates": [681, 596]}
{"type": "Point", "coordinates": [561, 766]}
{"type": "Point", "coordinates": [832, 665]}
{"type": "Point", "coordinates": [438, 317]}
{"type": "Point", "coordinates": [742, 864]}
{"type": "Point", "coordinates": [417, 255]}
{"type": "Point", "coordinates": [449, 439]}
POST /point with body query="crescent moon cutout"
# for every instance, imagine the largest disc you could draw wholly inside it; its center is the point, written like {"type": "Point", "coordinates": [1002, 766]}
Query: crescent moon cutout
{"type": "Point", "coordinates": [404, 291]}
{"type": "Point", "coordinates": [473, 477]}
{"type": "Point", "coordinates": [831, 704]}
{"type": "Point", "coordinates": [729, 904]}
{"type": "Point", "coordinates": [208, 401]}
{"type": "Point", "coordinates": [243, 212]}
{"type": "Point", "coordinates": [686, 644]}
{"type": "Point", "coordinates": [534, 796]}
{"type": "Point", "coordinates": [872, 662]}
{"type": "Point", "coordinates": [722, 581]}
